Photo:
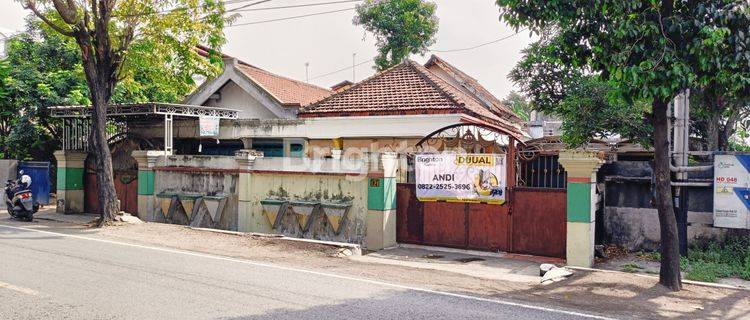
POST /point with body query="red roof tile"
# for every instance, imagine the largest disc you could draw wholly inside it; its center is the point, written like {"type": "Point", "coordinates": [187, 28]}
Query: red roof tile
{"type": "Point", "coordinates": [473, 85]}
{"type": "Point", "coordinates": [407, 88]}
{"type": "Point", "coordinates": [286, 91]}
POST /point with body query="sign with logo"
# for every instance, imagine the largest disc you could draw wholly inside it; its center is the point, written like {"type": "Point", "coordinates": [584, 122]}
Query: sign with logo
{"type": "Point", "coordinates": [461, 177]}
{"type": "Point", "coordinates": [732, 191]}
{"type": "Point", "coordinates": [208, 126]}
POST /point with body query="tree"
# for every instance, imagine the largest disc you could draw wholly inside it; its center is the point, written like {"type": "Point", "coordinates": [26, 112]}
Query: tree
{"type": "Point", "coordinates": [649, 50]}
{"type": "Point", "coordinates": [518, 103]}
{"type": "Point", "coordinates": [401, 27]}
{"type": "Point", "coordinates": [105, 30]}
{"type": "Point", "coordinates": [588, 106]}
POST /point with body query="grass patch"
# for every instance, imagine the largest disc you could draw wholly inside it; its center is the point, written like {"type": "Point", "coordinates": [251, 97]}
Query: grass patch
{"type": "Point", "coordinates": [631, 267]}
{"type": "Point", "coordinates": [712, 261]}
{"type": "Point", "coordinates": [654, 256]}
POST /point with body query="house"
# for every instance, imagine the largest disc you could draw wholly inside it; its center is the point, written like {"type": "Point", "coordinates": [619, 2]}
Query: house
{"type": "Point", "coordinates": [257, 95]}
{"type": "Point", "coordinates": [401, 105]}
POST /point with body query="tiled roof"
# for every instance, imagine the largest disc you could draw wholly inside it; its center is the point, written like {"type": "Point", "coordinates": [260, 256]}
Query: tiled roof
{"type": "Point", "coordinates": [288, 92]}
{"type": "Point", "coordinates": [407, 88]}
{"type": "Point", "coordinates": [285, 90]}
{"type": "Point", "coordinates": [495, 104]}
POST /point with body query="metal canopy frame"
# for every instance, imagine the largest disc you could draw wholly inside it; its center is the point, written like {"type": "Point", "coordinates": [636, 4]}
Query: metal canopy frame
{"type": "Point", "coordinates": [77, 120]}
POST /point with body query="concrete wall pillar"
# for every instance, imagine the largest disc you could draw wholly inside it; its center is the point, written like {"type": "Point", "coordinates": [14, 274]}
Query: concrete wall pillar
{"type": "Point", "coordinates": [146, 199]}
{"type": "Point", "coordinates": [381, 203]}
{"type": "Point", "coordinates": [70, 176]}
{"type": "Point", "coordinates": [245, 162]}
{"type": "Point", "coordinates": [581, 167]}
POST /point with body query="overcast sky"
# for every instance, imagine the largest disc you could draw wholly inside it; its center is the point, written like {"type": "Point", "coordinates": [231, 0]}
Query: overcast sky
{"type": "Point", "coordinates": [328, 41]}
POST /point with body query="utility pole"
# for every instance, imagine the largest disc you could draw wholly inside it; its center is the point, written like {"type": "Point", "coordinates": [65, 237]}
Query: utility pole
{"type": "Point", "coordinates": [681, 147]}
{"type": "Point", "coordinates": [354, 67]}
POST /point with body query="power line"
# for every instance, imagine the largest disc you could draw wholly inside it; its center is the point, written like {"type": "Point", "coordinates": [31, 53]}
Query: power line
{"type": "Point", "coordinates": [293, 6]}
{"type": "Point", "coordinates": [132, 15]}
{"type": "Point", "coordinates": [479, 45]}
{"type": "Point", "coordinates": [437, 51]}
{"type": "Point", "coordinates": [342, 69]}
{"type": "Point", "coordinates": [248, 5]}
{"type": "Point", "coordinates": [289, 18]}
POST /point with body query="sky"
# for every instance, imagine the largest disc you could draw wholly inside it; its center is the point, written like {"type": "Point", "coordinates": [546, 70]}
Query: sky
{"type": "Point", "coordinates": [327, 41]}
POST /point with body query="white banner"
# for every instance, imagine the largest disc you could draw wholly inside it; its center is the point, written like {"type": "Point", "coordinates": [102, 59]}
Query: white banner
{"type": "Point", "coordinates": [208, 126]}
{"type": "Point", "coordinates": [732, 191]}
{"type": "Point", "coordinates": [461, 177]}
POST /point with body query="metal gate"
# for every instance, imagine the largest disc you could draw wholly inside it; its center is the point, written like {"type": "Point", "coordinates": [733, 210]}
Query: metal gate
{"type": "Point", "coordinates": [40, 179]}
{"type": "Point", "coordinates": [533, 221]}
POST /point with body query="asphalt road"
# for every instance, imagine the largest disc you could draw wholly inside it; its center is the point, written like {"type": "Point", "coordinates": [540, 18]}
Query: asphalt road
{"type": "Point", "coordinates": [55, 276]}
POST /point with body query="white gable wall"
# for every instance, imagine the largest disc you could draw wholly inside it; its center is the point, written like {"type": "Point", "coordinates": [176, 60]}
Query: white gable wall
{"type": "Point", "coordinates": [234, 97]}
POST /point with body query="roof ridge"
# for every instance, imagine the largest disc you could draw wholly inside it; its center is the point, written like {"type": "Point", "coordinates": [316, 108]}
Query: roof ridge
{"type": "Point", "coordinates": [353, 87]}
{"type": "Point", "coordinates": [497, 103]}
{"type": "Point", "coordinates": [428, 76]}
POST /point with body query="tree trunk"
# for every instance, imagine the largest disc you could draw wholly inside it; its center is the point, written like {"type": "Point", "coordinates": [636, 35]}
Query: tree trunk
{"type": "Point", "coordinates": [101, 83]}
{"type": "Point", "coordinates": [669, 273]}
{"type": "Point", "coordinates": [712, 130]}
{"type": "Point", "coordinates": [105, 179]}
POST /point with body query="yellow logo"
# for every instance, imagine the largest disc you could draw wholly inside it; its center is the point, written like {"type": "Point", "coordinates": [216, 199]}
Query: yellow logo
{"type": "Point", "coordinates": [475, 160]}
{"type": "Point", "coordinates": [486, 184]}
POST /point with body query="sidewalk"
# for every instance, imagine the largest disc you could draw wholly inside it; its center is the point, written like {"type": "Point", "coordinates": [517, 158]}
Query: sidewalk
{"type": "Point", "coordinates": [486, 266]}
{"type": "Point", "coordinates": [48, 213]}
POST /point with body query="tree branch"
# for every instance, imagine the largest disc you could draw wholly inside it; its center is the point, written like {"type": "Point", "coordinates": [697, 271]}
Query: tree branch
{"type": "Point", "coordinates": [31, 4]}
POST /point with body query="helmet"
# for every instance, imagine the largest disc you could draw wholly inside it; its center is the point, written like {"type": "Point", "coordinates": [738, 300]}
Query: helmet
{"type": "Point", "coordinates": [26, 179]}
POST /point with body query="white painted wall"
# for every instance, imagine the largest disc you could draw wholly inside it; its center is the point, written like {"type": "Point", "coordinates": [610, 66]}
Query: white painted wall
{"type": "Point", "coordinates": [233, 96]}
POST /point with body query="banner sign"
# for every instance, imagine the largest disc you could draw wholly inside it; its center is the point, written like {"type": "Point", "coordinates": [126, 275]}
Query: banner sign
{"type": "Point", "coordinates": [208, 126]}
{"type": "Point", "coordinates": [461, 177]}
{"type": "Point", "coordinates": [732, 191]}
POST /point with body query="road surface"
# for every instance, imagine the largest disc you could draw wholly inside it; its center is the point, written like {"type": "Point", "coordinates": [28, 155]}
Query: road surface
{"type": "Point", "coordinates": [48, 275]}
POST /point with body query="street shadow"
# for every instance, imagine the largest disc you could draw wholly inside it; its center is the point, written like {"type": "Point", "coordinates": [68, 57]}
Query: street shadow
{"type": "Point", "coordinates": [644, 298]}
{"type": "Point", "coordinates": [406, 304]}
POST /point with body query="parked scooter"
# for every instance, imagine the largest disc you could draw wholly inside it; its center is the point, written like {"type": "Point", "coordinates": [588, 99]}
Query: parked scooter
{"type": "Point", "coordinates": [19, 200]}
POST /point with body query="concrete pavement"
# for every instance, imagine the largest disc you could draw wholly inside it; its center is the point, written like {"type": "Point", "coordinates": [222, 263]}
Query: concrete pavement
{"type": "Point", "coordinates": [58, 276]}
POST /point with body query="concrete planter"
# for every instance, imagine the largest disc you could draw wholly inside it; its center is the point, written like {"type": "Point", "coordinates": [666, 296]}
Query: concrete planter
{"type": "Point", "coordinates": [274, 210]}
{"type": "Point", "coordinates": [335, 213]}
{"type": "Point", "coordinates": [304, 210]}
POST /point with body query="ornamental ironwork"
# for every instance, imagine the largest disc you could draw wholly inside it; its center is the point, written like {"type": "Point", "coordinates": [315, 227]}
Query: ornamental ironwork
{"type": "Point", "coordinates": [469, 138]}
{"type": "Point", "coordinates": [125, 110]}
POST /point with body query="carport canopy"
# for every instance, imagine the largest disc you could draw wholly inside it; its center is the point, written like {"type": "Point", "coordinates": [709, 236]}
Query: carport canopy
{"type": "Point", "coordinates": [77, 120]}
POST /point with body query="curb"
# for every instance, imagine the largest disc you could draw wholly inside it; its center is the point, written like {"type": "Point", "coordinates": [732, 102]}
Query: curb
{"type": "Point", "coordinates": [354, 248]}
{"type": "Point", "coordinates": [693, 282]}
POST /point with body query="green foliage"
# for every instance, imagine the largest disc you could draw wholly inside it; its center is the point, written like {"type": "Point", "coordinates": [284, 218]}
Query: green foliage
{"type": "Point", "coordinates": [713, 261]}
{"type": "Point", "coordinates": [401, 27]}
{"type": "Point", "coordinates": [519, 104]}
{"type": "Point", "coordinates": [587, 105]}
{"type": "Point", "coordinates": [47, 71]}
{"type": "Point", "coordinates": [646, 54]}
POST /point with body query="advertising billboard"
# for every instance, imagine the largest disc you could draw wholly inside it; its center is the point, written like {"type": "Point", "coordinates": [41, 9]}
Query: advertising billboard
{"type": "Point", "coordinates": [732, 191]}
{"type": "Point", "coordinates": [461, 177]}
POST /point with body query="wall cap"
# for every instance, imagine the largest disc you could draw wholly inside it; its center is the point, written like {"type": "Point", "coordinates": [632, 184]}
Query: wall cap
{"type": "Point", "coordinates": [580, 163]}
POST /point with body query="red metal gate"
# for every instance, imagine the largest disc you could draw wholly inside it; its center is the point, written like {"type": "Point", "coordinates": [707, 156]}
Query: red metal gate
{"type": "Point", "coordinates": [536, 225]}
{"type": "Point", "coordinates": [451, 224]}
{"type": "Point", "coordinates": [539, 221]}
{"type": "Point", "coordinates": [126, 187]}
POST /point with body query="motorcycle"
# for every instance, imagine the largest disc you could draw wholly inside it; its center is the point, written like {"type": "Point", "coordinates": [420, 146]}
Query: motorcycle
{"type": "Point", "coordinates": [21, 204]}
